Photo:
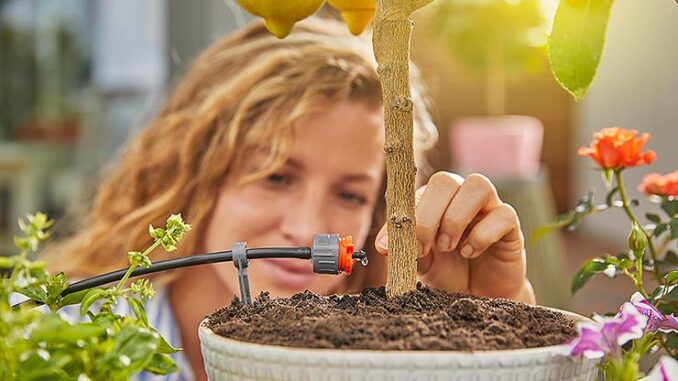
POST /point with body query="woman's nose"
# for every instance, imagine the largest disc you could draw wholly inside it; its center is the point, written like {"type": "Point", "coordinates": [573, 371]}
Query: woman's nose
{"type": "Point", "coordinates": [304, 217]}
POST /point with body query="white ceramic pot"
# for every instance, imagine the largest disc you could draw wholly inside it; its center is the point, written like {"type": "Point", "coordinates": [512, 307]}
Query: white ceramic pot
{"type": "Point", "coordinates": [231, 360]}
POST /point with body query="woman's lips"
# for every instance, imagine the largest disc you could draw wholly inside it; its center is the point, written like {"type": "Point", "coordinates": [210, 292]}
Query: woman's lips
{"type": "Point", "coordinates": [289, 273]}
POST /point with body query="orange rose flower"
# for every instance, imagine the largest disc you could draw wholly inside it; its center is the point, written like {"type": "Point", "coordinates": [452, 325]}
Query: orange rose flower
{"type": "Point", "coordinates": [666, 185]}
{"type": "Point", "coordinates": [615, 148]}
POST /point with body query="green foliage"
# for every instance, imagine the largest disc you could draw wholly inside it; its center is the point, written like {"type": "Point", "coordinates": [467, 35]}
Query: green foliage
{"type": "Point", "coordinates": [472, 29]}
{"type": "Point", "coordinates": [40, 346]}
{"type": "Point", "coordinates": [609, 265]}
{"type": "Point", "coordinates": [641, 256]}
{"type": "Point", "coordinates": [577, 41]}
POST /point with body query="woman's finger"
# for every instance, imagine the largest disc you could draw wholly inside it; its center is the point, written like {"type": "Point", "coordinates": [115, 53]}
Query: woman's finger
{"type": "Point", "coordinates": [440, 190]}
{"type": "Point", "coordinates": [476, 195]}
{"type": "Point", "coordinates": [499, 223]}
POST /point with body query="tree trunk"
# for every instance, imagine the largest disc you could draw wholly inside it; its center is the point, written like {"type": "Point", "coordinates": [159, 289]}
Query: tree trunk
{"type": "Point", "coordinates": [391, 39]}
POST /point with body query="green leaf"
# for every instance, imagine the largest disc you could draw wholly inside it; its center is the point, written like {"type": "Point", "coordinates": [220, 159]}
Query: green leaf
{"type": "Point", "coordinates": [660, 229]}
{"type": "Point", "coordinates": [543, 230]}
{"type": "Point", "coordinates": [654, 217]}
{"type": "Point", "coordinates": [670, 207]}
{"type": "Point", "coordinates": [138, 309]}
{"type": "Point", "coordinates": [674, 228]}
{"type": "Point", "coordinates": [89, 299]}
{"type": "Point", "coordinates": [7, 262]}
{"type": "Point", "coordinates": [672, 337]}
{"type": "Point", "coordinates": [57, 284]}
{"type": "Point", "coordinates": [39, 365]}
{"type": "Point", "coordinates": [73, 298]}
{"type": "Point", "coordinates": [671, 277]}
{"type": "Point", "coordinates": [161, 364]}
{"type": "Point", "coordinates": [163, 346]}
{"type": "Point", "coordinates": [607, 177]}
{"type": "Point", "coordinates": [133, 350]}
{"type": "Point", "coordinates": [588, 270]}
{"type": "Point", "coordinates": [35, 291]}
{"type": "Point", "coordinates": [54, 330]}
{"type": "Point", "coordinates": [577, 41]}
{"type": "Point", "coordinates": [669, 303]}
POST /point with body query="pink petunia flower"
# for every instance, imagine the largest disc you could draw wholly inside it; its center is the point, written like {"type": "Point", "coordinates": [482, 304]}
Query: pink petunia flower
{"type": "Point", "coordinates": [607, 334]}
{"type": "Point", "coordinates": [665, 370]}
{"type": "Point", "coordinates": [655, 319]}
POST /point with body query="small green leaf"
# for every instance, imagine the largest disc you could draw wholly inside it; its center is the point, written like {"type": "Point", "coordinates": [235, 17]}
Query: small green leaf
{"type": "Point", "coordinates": [138, 309]}
{"type": "Point", "coordinates": [7, 262]}
{"type": "Point", "coordinates": [89, 299]}
{"type": "Point", "coordinates": [654, 217]}
{"type": "Point", "coordinates": [36, 292]}
{"type": "Point", "coordinates": [660, 229]}
{"type": "Point", "coordinates": [590, 268]}
{"type": "Point", "coordinates": [607, 177]}
{"type": "Point", "coordinates": [162, 364]}
{"type": "Point", "coordinates": [56, 285]}
{"type": "Point", "coordinates": [543, 230]}
{"type": "Point", "coordinates": [670, 207]}
{"type": "Point", "coordinates": [672, 337]}
{"type": "Point", "coordinates": [674, 228]}
{"type": "Point", "coordinates": [671, 277]}
{"type": "Point", "coordinates": [73, 298]}
{"type": "Point", "coordinates": [577, 41]}
{"type": "Point", "coordinates": [164, 346]}
{"type": "Point", "coordinates": [669, 303]}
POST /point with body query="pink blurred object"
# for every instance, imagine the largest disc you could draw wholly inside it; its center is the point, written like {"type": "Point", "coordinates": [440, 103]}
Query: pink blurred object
{"type": "Point", "coordinates": [499, 147]}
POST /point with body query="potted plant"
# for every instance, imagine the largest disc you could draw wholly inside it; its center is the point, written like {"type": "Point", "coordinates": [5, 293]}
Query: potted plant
{"type": "Point", "coordinates": [102, 345]}
{"type": "Point", "coordinates": [240, 341]}
{"type": "Point", "coordinates": [647, 322]}
{"type": "Point", "coordinates": [400, 300]}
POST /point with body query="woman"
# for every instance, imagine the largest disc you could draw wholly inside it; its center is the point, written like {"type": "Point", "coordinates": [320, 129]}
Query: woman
{"type": "Point", "coordinates": [269, 142]}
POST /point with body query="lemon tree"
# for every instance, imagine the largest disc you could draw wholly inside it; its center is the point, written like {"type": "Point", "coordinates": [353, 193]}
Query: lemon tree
{"type": "Point", "coordinates": [575, 49]}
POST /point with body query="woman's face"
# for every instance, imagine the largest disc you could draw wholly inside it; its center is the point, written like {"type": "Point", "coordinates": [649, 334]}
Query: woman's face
{"type": "Point", "coordinates": [330, 184]}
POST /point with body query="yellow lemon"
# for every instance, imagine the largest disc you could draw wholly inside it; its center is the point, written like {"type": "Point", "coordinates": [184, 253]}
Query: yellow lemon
{"type": "Point", "coordinates": [281, 15]}
{"type": "Point", "coordinates": [356, 13]}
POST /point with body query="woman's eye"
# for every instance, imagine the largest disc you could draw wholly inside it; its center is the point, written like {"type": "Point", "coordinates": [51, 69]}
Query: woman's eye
{"type": "Point", "coordinates": [278, 179]}
{"type": "Point", "coordinates": [353, 198]}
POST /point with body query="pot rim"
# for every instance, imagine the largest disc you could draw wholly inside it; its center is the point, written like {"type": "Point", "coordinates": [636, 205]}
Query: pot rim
{"type": "Point", "coordinates": [556, 349]}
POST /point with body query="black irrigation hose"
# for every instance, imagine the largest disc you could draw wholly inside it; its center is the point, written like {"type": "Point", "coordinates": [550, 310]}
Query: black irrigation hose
{"type": "Point", "coordinates": [176, 263]}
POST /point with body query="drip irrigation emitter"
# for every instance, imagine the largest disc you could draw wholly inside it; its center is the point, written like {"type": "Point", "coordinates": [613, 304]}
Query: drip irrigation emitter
{"type": "Point", "coordinates": [329, 254]}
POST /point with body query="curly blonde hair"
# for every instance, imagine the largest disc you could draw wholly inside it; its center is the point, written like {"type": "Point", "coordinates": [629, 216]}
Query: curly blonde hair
{"type": "Point", "coordinates": [242, 94]}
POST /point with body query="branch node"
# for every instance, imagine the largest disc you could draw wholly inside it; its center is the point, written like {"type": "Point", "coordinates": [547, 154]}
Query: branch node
{"type": "Point", "coordinates": [403, 104]}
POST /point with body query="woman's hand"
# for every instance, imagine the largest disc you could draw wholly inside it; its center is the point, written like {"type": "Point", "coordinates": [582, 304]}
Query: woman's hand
{"type": "Point", "coordinates": [469, 240]}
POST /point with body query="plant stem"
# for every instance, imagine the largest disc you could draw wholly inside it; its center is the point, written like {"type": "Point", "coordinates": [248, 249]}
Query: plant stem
{"type": "Point", "coordinates": [132, 267]}
{"type": "Point", "coordinates": [20, 265]}
{"type": "Point", "coordinates": [627, 208]}
{"type": "Point", "coordinates": [391, 40]}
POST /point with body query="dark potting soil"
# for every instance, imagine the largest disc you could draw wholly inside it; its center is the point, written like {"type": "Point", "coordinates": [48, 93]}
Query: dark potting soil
{"type": "Point", "coordinates": [425, 319]}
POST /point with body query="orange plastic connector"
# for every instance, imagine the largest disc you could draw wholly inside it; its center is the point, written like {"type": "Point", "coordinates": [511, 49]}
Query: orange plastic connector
{"type": "Point", "coordinates": [346, 249]}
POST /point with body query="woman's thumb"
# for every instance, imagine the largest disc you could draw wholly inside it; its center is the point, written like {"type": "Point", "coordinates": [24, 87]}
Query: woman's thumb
{"type": "Point", "coordinates": [381, 242]}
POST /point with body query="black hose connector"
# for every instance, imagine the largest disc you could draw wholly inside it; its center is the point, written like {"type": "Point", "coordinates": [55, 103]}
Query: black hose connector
{"type": "Point", "coordinates": [330, 254]}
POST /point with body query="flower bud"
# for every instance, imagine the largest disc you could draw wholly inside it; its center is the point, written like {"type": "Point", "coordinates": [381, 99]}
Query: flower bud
{"type": "Point", "coordinates": [637, 239]}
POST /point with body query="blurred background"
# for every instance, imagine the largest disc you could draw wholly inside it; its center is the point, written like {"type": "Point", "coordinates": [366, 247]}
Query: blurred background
{"type": "Point", "coordinates": [78, 77]}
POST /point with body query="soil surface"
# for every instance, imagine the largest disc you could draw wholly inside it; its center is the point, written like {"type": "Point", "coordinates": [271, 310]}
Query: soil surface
{"type": "Point", "coordinates": [425, 319]}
